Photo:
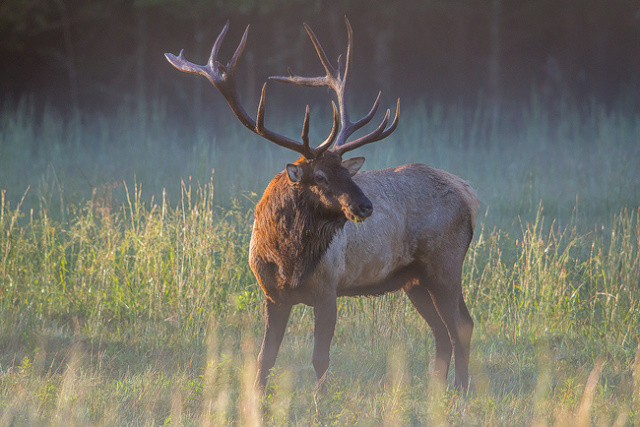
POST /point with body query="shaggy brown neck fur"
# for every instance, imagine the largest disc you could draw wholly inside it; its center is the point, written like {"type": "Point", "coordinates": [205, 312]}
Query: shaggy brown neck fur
{"type": "Point", "coordinates": [293, 230]}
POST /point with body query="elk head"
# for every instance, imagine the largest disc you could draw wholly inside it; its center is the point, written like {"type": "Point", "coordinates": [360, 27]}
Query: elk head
{"type": "Point", "coordinates": [320, 172]}
{"type": "Point", "coordinates": [328, 182]}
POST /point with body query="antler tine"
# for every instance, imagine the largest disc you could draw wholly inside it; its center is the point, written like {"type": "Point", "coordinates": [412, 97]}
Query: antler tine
{"type": "Point", "coordinates": [349, 50]}
{"type": "Point", "coordinates": [367, 138]}
{"type": "Point", "coordinates": [349, 128]}
{"type": "Point", "coordinates": [260, 117]}
{"type": "Point", "coordinates": [216, 46]}
{"type": "Point", "coordinates": [323, 56]}
{"type": "Point", "coordinates": [372, 112]}
{"type": "Point", "coordinates": [305, 128]}
{"type": "Point", "coordinates": [223, 79]}
{"type": "Point", "coordinates": [394, 124]}
{"type": "Point", "coordinates": [182, 64]}
{"type": "Point", "coordinates": [334, 131]}
{"type": "Point", "coordinates": [376, 135]}
{"type": "Point", "coordinates": [236, 55]}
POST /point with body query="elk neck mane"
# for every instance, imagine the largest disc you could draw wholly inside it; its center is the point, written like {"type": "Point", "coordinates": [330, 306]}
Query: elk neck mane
{"type": "Point", "coordinates": [293, 230]}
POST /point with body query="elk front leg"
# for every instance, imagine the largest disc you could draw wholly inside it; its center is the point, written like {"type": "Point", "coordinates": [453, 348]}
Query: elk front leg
{"type": "Point", "coordinates": [324, 326]}
{"type": "Point", "coordinates": [275, 323]}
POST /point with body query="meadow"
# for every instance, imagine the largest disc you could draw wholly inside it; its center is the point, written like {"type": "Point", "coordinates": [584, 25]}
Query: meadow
{"type": "Point", "coordinates": [126, 297]}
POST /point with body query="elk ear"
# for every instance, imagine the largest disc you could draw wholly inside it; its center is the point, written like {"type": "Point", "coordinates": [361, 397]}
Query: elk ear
{"type": "Point", "coordinates": [353, 165]}
{"type": "Point", "coordinates": [294, 172]}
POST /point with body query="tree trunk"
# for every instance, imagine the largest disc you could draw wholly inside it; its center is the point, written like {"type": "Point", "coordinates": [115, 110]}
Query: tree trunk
{"type": "Point", "coordinates": [495, 57]}
{"type": "Point", "coordinates": [69, 57]}
{"type": "Point", "coordinates": [141, 48]}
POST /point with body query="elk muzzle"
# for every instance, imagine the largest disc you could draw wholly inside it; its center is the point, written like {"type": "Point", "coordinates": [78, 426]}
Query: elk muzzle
{"type": "Point", "coordinates": [358, 209]}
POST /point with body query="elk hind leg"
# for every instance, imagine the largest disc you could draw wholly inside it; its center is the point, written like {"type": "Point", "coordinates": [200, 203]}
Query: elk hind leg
{"type": "Point", "coordinates": [422, 301]}
{"type": "Point", "coordinates": [450, 305]}
{"type": "Point", "coordinates": [465, 330]}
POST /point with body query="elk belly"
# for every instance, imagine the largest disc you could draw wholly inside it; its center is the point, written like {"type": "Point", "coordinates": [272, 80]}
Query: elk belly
{"type": "Point", "coordinates": [361, 257]}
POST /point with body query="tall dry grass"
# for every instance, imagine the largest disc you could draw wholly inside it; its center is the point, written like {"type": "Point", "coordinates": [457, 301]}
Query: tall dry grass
{"type": "Point", "coordinates": [128, 305]}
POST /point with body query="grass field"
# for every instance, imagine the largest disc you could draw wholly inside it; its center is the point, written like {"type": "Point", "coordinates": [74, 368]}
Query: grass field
{"type": "Point", "coordinates": [126, 296]}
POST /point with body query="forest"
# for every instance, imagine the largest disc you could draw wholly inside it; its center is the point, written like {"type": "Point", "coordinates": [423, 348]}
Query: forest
{"type": "Point", "coordinates": [101, 54]}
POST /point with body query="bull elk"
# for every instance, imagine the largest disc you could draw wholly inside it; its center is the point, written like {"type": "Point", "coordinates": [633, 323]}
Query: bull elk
{"type": "Point", "coordinates": [306, 246]}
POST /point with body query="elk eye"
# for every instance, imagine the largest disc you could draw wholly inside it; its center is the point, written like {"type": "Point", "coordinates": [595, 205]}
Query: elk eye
{"type": "Point", "coordinates": [320, 179]}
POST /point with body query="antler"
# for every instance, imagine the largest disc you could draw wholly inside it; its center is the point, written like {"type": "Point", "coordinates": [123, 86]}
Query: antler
{"type": "Point", "coordinates": [223, 78]}
{"type": "Point", "coordinates": [336, 81]}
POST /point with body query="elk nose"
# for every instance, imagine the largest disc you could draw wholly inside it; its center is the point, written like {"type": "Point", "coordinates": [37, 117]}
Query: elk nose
{"type": "Point", "coordinates": [364, 209]}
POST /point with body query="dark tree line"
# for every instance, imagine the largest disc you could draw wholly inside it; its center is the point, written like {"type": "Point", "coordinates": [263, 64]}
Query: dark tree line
{"type": "Point", "coordinates": [100, 54]}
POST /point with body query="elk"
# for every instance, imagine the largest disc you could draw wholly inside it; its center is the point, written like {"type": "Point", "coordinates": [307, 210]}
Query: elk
{"type": "Point", "coordinates": [323, 230]}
